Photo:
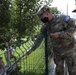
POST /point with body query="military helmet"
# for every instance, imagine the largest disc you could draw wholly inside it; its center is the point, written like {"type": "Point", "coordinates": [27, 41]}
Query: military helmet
{"type": "Point", "coordinates": [42, 10]}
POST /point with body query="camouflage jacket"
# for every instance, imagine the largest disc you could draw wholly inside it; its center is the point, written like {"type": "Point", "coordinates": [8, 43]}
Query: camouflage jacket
{"type": "Point", "coordinates": [65, 26]}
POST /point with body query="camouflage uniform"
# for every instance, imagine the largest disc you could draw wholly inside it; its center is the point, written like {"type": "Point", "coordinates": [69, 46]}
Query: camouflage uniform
{"type": "Point", "coordinates": [64, 46]}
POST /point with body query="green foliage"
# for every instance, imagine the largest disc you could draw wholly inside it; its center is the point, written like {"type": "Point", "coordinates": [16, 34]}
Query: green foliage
{"type": "Point", "coordinates": [54, 10]}
{"type": "Point", "coordinates": [24, 17]}
{"type": "Point", "coordinates": [18, 19]}
{"type": "Point", "coordinates": [4, 21]}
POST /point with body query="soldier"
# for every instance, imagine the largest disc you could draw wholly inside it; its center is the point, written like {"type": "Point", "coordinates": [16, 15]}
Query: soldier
{"type": "Point", "coordinates": [60, 29]}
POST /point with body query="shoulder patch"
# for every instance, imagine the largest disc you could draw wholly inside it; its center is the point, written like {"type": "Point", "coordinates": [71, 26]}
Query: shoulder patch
{"type": "Point", "coordinates": [66, 18]}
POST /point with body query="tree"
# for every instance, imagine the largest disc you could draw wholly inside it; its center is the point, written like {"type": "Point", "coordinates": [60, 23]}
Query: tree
{"type": "Point", "coordinates": [18, 19]}
{"type": "Point", "coordinates": [54, 10]}
{"type": "Point", "coordinates": [24, 17]}
{"type": "Point", "coordinates": [4, 22]}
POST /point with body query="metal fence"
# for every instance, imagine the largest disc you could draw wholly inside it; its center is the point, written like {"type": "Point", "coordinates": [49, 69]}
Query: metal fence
{"type": "Point", "coordinates": [14, 62]}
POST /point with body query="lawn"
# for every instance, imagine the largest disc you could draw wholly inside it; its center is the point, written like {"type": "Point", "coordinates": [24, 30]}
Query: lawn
{"type": "Point", "coordinates": [33, 64]}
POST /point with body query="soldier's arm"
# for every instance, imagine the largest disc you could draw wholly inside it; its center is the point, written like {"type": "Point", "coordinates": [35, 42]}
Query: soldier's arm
{"type": "Point", "coordinates": [39, 39]}
{"type": "Point", "coordinates": [69, 29]}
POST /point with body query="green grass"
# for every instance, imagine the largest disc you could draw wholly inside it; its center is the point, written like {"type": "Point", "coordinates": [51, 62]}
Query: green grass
{"type": "Point", "coordinates": [34, 64]}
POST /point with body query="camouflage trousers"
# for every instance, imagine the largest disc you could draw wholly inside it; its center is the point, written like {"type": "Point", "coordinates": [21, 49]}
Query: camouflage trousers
{"type": "Point", "coordinates": [70, 58]}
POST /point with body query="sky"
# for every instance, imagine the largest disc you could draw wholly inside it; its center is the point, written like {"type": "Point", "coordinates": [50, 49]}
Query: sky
{"type": "Point", "coordinates": [65, 6]}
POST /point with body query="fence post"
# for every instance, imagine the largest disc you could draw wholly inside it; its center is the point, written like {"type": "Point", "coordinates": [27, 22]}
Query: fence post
{"type": "Point", "coordinates": [46, 54]}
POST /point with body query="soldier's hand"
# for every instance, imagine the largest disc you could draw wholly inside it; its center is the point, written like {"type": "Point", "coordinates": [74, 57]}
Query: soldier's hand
{"type": "Point", "coordinates": [55, 35]}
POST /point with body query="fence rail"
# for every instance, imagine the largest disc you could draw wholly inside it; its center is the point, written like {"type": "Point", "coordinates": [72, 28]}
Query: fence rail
{"type": "Point", "coordinates": [16, 63]}
{"type": "Point", "coordinates": [18, 21]}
